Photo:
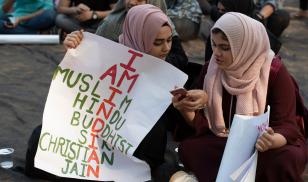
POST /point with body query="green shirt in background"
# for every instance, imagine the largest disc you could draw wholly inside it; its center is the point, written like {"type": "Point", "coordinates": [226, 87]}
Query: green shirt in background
{"type": "Point", "coordinates": [26, 7]}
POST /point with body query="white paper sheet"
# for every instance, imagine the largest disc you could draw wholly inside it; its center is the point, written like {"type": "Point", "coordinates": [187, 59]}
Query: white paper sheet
{"type": "Point", "coordinates": [103, 96]}
{"type": "Point", "coordinates": [240, 146]}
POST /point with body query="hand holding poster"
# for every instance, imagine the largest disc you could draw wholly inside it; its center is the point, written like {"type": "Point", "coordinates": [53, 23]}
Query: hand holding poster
{"type": "Point", "coordinates": [103, 100]}
{"type": "Point", "coordinates": [240, 146]}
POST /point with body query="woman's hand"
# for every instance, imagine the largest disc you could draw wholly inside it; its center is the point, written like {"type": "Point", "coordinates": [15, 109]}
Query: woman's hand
{"type": "Point", "coordinates": [194, 100]}
{"type": "Point", "coordinates": [270, 140]}
{"type": "Point", "coordinates": [82, 8]}
{"type": "Point", "coordinates": [84, 16]}
{"type": "Point", "coordinates": [73, 39]}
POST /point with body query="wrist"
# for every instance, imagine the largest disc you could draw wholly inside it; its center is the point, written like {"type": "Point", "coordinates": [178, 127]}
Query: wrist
{"type": "Point", "coordinates": [260, 16]}
{"type": "Point", "coordinates": [94, 15]}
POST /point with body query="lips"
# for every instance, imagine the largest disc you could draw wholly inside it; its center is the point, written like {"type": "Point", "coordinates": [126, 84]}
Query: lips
{"type": "Point", "coordinates": [218, 61]}
{"type": "Point", "coordinates": [163, 56]}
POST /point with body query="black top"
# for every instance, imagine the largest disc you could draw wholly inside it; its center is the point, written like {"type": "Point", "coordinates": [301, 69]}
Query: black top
{"type": "Point", "coordinates": [97, 5]}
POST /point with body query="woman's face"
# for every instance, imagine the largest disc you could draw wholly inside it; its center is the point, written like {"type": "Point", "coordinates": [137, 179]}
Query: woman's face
{"type": "Point", "coordinates": [162, 43]}
{"type": "Point", "coordinates": [221, 50]}
{"type": "Point", "coordinates": [131, 3]}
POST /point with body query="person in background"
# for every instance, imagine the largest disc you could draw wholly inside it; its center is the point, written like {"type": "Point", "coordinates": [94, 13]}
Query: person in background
{"type": "Point", "coordinates": [246, 7]}
{"type": "Point", "coordinates": [242, 77]}
{"type": "Point", "coordinates": [276, 20]}
{"type": "Point", "coordinates": [111, 28]}
{"type": "Point", "coordinates": [1, 9]}
{"type": "Point", "coordinates": [27, 16]}
{"type": "Point", "coordinates": [146, 29]}
{"type": "Point", "coordinates": [82, 14]}
{"type": "Point", "coordinates": [186, 16]}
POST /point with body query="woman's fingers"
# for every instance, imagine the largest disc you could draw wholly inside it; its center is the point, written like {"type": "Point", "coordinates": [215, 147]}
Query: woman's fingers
{"type": "Point", "coordinates": [194, 100]}
{"type": "Point", "coordinates": [73, 39]}
{"type": "Point", "coordinates": [265, 141]}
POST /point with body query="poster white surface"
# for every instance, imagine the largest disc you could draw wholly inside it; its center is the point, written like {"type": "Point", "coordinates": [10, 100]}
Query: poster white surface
{"type": "Point", "coordinates": [104, 98]}
{"type": "Point", "coordinates": [240, 146]}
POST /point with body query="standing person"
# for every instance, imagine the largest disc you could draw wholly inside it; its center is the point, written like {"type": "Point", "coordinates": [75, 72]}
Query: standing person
{"type": "Point", "coordinates": [27, 16]}
{"type": "Point", "coordinates": [147, 29]}
{"type": "Point", "coordinates": [82, 14]}
{"type": "Point", "coordinates": [241, 79]}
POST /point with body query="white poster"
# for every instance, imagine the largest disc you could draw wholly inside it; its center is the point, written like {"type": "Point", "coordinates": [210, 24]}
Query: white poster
{"type": "Point", "coordinates": [238, 162]}
{"type": "Point", "coordinates": [104, 98]}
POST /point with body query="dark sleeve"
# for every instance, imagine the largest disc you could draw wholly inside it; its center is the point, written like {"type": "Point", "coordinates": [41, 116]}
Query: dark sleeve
{"type": "Point", "coordinates": [281, 98]}
{"type": "Point", "coordinates": [183, 130]}
{"type": "Point", "coordinates": [177, 56]}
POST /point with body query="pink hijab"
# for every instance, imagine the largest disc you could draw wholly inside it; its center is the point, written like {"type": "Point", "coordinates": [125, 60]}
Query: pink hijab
{"type": "Point", "coordinates": [247, 77]}
{"type": "Point", "coordinates": [141, 26]}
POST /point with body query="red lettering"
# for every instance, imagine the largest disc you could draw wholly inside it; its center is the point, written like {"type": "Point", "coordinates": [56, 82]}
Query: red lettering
{"type": "Point", "coordinates": [114, 91]}
{"type": "Point", "coordinates": [125, 74]}
{"type": "Point", "coordinates": [112, 72]}
{"type": "Point", "coordinates": [95, 173]}
{"type": "Point", "coordinates": [128, 66]}
{"type": "Point", "coordinates": [102, 125]}
{"type": "Point", "coordinates": [102, 107]}
{"type": "Point", "coordinates": [93, 141]}
{"type": "Point", "coordinates": [93, 156]}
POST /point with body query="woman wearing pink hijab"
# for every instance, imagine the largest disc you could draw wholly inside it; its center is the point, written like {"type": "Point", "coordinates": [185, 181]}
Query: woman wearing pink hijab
{"type": "Point", "coordinates": [240, 79]}
{"type": "Point", "coordinates": [146, 29]}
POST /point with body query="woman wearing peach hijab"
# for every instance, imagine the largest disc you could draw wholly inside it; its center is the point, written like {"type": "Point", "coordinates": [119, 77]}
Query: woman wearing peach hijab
{"type": "Point", "coordinates": [240, 80]}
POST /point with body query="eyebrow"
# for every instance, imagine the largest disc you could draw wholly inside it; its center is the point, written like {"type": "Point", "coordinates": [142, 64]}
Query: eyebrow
{"type": "Point", "coordinates": [163, 39]}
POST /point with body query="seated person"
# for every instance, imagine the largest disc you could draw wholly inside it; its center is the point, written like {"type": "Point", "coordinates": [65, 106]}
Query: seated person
{"type": "Point", "coordinates": [186, 16]}
{"type": "Point", "coordinates": [1, 9]}
{"type": "Point", "coordinates": [82, 14]}
{"type": "Point", "coordinates": [153, 36]}
{"type": "Point", "coordinates": [27, 16]}
{"type": "Point", "coordinates": [111, 28]}
{"type": "Point", "coordinates": [242, 77]}
{"type": "Point", "coordinates": [276, 20]}
{"type": "Point", "coordinates": [246, 7]}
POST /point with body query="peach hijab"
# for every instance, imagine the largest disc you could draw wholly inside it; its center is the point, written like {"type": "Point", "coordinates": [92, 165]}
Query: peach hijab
{"type": "Point", "coordinates": [247, 77]}
{"type": "Point", "coordinates": [141, 27]}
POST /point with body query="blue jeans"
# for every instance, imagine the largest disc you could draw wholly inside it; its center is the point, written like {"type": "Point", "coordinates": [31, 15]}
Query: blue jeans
{"type": "Point", "coordinates": [41, 22]}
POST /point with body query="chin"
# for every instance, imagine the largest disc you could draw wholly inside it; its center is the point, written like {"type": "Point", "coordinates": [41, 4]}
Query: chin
{"type": "Point", "coordinates": [222, 67]}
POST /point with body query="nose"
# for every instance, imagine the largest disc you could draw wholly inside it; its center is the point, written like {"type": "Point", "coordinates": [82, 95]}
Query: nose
{"type": "Point", "coordinates": [216, 52]}
{"type": "Point", "coordinates": [166, 47]}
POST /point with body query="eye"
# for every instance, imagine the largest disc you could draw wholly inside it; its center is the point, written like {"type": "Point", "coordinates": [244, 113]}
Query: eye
{"type": "Point", "coordinates": [225, 48]}
{"type": "Point", "coordinates": [158, 43]}
{"type": "Point", "coordinates": [213, 44]}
